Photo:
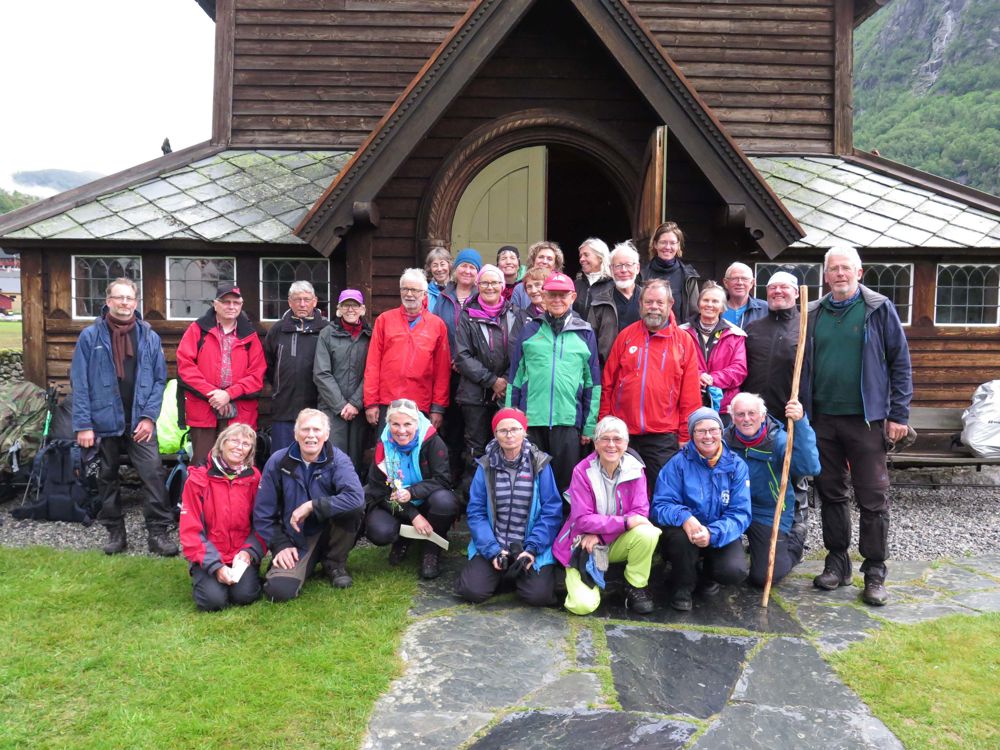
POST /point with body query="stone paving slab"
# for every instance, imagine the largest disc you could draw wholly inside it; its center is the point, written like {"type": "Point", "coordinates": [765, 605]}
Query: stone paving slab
{"type": "Point", "coordinates": [952, 578]}
{"type": "Point", "coordinates": [982, 601]}
{"type": "Point", "coordinates": [909, 613]}
{"type": "Point", "coordinates": [576, 690]}
{"type": "Point", "coordinates": [544, 730]}
{"type": "Point", "coordinates": [424, 730]}
{"type": "Point", "coordinates": [801, 589]}
{"type": "Point", "coordinates": [987, 565]}
{"type": "Point", "coordinates": [842, 619]}
{"type": "Point", "coordinates": [675, 671]}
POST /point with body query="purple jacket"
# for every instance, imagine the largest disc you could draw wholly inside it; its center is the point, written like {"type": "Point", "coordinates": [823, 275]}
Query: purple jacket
{"type": "Point", "coordinates": [631, 499]}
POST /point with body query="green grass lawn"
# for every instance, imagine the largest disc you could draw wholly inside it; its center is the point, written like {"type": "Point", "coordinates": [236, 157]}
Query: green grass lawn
{"type": "Point", "coordinates": [100, 652]}
{"type": "Point", "coordinates": [936, 685]}
{"type": "Point", "coordinates": [10, 334]}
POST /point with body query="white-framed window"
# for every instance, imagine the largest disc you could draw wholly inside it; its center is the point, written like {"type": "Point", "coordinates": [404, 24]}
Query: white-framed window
{"type": "Point", "coordinates": [90, 276]}
{"type": "Point", "coordinates": [193, 282]}
{"type": "Point", "coordinates": [967, 294]}
{"type": "Point", "coordinates": [277, 274]}
{"type": "Point", "coordinates": [808, 274]}
{"type": "Point", "coordinates": [895, 281]}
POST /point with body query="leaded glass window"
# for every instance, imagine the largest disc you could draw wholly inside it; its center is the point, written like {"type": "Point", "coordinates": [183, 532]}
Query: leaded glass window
{"type": "Point", "coordinates": [277, 274]}
{"type": "Point", "coordinates": [91, 276]}
{"type": "Point", "coordinates": [193, 282]}
{"type": "Point", "coordinates": [895, 281]}
{"type": "Point", "coordinates": [967, 295]}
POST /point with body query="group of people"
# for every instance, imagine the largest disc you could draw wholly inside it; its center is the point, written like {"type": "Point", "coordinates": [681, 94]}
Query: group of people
{"type": "Point", "coordinates": [577, 424]}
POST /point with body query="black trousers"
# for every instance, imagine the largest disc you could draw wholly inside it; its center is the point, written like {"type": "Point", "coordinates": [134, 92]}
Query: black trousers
{"type": "Point", "coordinates": [563, 444]}
{"type": "Point", "coordinates": [655, 449]}
{"type": "Point", "coordinates": [331, 547]}
{"type": "Point", "coordinates": [480, 580]}
{"type": "Point", "coordinates": [440, 509]}
{"type": "Point", "coordinates": [787, 554]}
{"type": "Point", "coordinates": [211, 596]}
{"type": "Point", "coordinates": [726, 564]}
{"type": "Point", "coordinates": [145, 458]}
{"type": "Point", "coordinates": [851, 449]}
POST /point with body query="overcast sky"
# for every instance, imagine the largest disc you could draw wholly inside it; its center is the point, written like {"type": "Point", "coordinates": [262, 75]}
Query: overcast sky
{"type": "Point", "coordinates": [96, 86]}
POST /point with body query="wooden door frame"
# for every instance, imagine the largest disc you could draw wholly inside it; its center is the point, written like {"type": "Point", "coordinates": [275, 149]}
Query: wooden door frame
{"type": "Point", "coordinates": [534, 127]}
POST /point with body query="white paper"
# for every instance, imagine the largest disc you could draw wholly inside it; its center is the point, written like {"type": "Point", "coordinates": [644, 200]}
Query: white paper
{"type": "Point", "coordinates": [411, 533]}
{"type": "Point", "coordinates": [238, 569]}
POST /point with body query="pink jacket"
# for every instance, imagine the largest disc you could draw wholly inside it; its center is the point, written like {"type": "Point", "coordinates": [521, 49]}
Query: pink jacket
{"type": "Point", "coordinates": [631, 499]}
{"type": "Point", "coordinates": [727, 364]}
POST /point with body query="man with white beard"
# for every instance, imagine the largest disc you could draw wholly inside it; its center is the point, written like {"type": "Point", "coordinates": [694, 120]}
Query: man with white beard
{"type": "Point", "coordinates": [615, 308]}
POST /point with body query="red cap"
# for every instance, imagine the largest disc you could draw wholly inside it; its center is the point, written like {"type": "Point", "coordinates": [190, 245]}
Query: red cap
{"type": "Point", "coordinates": [509, 413]}
{"type": "Point", "coordinates": [558, 282]}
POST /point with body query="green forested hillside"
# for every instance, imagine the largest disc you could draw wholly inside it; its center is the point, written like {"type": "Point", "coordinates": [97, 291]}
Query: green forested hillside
{"type": "Point", "coordinates": [927, 88]}
{"type": "Point", "coordinates": [10, 201]}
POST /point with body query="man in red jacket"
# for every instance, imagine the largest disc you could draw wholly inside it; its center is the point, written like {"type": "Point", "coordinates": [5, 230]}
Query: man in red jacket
{"type": "Point", "coordinates": [408, 356]}
{"type": "Point", "coordinates": [650, 380]}
{"type": "Point", "coordinates": [220, 365]}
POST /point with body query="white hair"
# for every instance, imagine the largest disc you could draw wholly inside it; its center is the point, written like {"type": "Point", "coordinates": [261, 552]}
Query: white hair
{"type": "Point", "coordinates": [755, 399]}
{"type": "Point", "coordinates": [415, 275]}
{"type": "Point", "coordinates": [626, 248]}
{"type": "Point", "coordinates": [600, 247]}
{"type": "Point", "coordinates": [301, 286]}
{"type": "Point", "coordinates": [611, 424]}
{"type": "Point", "coordinates": [844, 251]}
{"type": "Point", "coordinates": [739, 265]}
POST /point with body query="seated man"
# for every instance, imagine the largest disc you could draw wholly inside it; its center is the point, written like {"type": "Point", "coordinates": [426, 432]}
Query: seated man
{"type": "Point", "coordinates": [609, 505]}
{"type": "Point", "coordinates": [309, 509]}
{"type": "Point", "coordinates": [514, 513]}
{"type": "Point", "coordinates": [760, 440]}
{"type": "Point", "coordinates": [702, 502]}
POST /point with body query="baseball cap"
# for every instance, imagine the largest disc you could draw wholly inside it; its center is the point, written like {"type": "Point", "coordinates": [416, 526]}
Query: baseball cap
{"type": "Point", "coordinates": [351, 294]}
{"type": "Point", "coordinates": [228, 288]}
{"type": "Point", "coordinates": [558, 282]}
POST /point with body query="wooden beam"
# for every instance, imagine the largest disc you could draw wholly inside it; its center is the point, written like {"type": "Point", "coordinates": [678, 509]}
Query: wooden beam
{"type": "Point", "coordinates": [360, 252]}
{"type": "Point", "coordinates": [843, 71]}
{"type": "Point", "coordinates": [33, 317]}
{"type": "Point", "coordinates": [222, 97]}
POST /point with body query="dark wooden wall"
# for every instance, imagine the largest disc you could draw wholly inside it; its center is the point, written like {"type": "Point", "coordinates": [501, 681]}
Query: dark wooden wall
{"type": "Point", "coordinates": [323, 72]}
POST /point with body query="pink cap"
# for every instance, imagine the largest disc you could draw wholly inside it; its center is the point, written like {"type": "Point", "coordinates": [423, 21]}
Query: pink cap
{"type": "Point", "coordinates": [558, 282]}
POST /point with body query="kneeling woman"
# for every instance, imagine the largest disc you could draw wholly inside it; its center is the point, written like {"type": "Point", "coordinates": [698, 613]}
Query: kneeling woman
{"type": "Point", "coordinates": [216, 522]}
{"type": "Point", "coordinates": [514, 513]}
{"type": "Point", "coordinates": [409, 483]}
{"type": "Point", "coordinates": [609, 505]}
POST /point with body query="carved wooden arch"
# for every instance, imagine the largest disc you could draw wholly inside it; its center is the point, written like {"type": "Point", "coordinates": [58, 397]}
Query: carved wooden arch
{"type": "Point", "coordinates": [534, 127]}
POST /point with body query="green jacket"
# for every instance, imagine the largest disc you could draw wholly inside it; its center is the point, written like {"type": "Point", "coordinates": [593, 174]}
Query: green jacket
{"type": "Point", "coordinates": [556, 380]}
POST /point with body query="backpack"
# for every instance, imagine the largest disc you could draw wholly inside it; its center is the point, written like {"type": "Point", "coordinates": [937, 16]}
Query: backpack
{"type": "Point", "coordinates": [170, 434]}
{"type": "Point", "coordinates": [64, 492]}
{"type": "Point", "coordinates": [23, 409]}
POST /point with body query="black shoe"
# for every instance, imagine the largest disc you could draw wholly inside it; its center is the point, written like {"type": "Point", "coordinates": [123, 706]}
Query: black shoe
{"type": "Point", "coordinates": [160, 544]}
{"type": "Point", "coordinates": [116, 540]}
{"type": "Point", "coordinates": [708, 587]}
{"type": "Point", "coordinates": [681, 601]}
{"type": "Point", "coordinates": [340, 578]}
{"type": "Point", "coordinates": [430, 565]}
{"type": "Point", "coordinates": [875, 592]}
{"type": "Point", "coordinates": [830, 580]}
{"type": "Point", "coordinates": [639, 600]}
{"type": "Point", "coordinates": [397, 553]}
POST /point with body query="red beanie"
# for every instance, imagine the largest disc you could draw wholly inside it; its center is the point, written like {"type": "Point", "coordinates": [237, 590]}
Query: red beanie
{"type": "Point", "coordinates": [510, 413]}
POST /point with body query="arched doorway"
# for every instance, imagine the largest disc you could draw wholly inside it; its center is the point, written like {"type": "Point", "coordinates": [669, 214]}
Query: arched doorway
{"type": "Point", "coordinates": [539, 192]}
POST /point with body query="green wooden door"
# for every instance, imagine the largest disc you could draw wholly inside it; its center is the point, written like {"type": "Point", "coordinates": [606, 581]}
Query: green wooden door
{"type": "Point", "coordinates": [503, 205]}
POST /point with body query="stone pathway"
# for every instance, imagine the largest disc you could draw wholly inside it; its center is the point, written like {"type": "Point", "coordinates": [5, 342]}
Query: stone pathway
{"type": "Point", "coordinates": [728, 674]}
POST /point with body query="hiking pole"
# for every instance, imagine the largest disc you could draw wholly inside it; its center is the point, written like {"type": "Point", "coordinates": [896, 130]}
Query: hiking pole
{"type": "Point", "coordinates": [51, 400]}
{"type": "Point", "coordinates": [786, 465]}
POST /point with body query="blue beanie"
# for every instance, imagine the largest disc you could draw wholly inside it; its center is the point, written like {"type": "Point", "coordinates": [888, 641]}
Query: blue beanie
{"type": "Point", "coordinates": [700, 414]}
{"type": "Point", "coordinates": [469, 255]}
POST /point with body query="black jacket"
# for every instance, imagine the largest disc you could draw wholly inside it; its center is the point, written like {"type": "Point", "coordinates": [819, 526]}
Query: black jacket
{"type": "Point", "coordinates": [339, 367]}
{"type": "Point", "coordinates": [434, 469]}
{"type": "Point", "coordinates": [482, 352]}
{"type": "Point", "coordinates": [771, 345]}
{"type": "Point", "coordinates": [290, 350]}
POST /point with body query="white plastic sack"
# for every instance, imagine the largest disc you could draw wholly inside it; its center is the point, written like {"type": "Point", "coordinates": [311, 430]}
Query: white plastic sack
{"type": "Point", "coordinates": [981, 421]}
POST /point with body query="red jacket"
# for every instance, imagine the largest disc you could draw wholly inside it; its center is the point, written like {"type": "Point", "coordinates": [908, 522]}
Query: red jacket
{"type": "Point", "coordinates": [199, 359]}
{"type": "Point", "coordinates": [650, 381]}
{"type": "Point", "coordinates": [727, 362]}
{"type": "Point", "coordinates": [216, 517]}
{"type": "Point", "coordinates": [406, 362]}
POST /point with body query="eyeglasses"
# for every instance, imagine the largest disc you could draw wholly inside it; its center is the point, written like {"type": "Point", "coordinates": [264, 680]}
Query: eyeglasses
{"type": "Point", "coordinates": [742, 279]}
{"type": "Point", "coordinates": [623, 266]}
{"type": "Point", "coordinates": [509, 431]}
{"type": "Point", "coordinates": [610, 439]}
{"type": "Point", "coordinates": [236, 442]}
{"type": "Point", "coordinates": [709, 431]}
{"type": "Point", "coordinates": [491, 284]}
{"type": "Point", "coordinates": [409, 290]}
{"type": "Point", "coordinates": [122, 298]}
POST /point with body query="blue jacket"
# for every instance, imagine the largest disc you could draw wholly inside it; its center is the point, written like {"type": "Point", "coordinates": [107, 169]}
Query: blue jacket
{"type": "Point", "coordinates": [449, 309]}
{"type": "Point", "coordinates": [755, 310]}
{"type": "Point", "coordinates": [544, 518]}
{"type": "Point", "coordinates": [765, 461]}
{"type": "Point", "coordinates": [97, 402]}
{"type": "Point", "coordinates": [719, 496]}
{"type": "Point", "coordinates": [286, 483]}
{"type": "Point", "coordinates": [886, 374]}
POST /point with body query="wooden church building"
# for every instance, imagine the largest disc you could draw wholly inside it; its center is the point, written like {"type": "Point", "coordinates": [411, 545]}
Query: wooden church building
{"type": "Point", "coordinates": [351, 136]}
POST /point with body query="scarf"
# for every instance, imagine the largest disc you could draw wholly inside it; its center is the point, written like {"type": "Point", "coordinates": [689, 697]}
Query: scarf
{"type": "Point", "coordinates": [753, 441]}
{"type": "Point", "coordinates": [484, 311]}
{"type": "Point", "coordinates": [557, 323]}
{"type": "Point", "coordinates": [664, 266]}
{"type": "Point", "coordinates": [229, 472]}
{"type": "Point", "coordinates": [121, 342]}
{"type": "Point", "coordinates": [715, 459]}
{"type": "Point", "coordinates": [402, 462]}
{"type": "Point", "coordinates": [411, 319]}
{"type": "Point", "coordinates": [845, 303]}
{"type": "Point", "coordinates": [514, 487]}
{"type": "Point", "coordinates": [352, 328]}
{"type": "Point", "coordinates": [593, 278]}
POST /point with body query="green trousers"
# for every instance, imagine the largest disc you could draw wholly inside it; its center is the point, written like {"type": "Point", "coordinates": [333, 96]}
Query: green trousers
{"type": "Point", "coordinates": [634, 548]}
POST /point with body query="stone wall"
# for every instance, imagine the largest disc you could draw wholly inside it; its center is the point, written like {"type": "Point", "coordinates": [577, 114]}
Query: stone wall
{"type": "Point", "coordinates": [10, 365]}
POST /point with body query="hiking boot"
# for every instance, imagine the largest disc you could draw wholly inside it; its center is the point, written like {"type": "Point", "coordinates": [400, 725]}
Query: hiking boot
{"type": "Point", "coordinates": [116, 540]}
{"type": "Point", "coordinates": [875, 592]}
{"type": "Point", "coordinates": [397, 553]}
{"type": "Point", "coordinates": [708, 587]}
{"type": "Point", "coordinates": [161, 544]}
{"type": "Point", "coordinates": [638, 600]}
{"type": "Point", "coordinates": [340, 578]}
{"type": "Point", "coordinates": [830, 580]}
{"type": "Point", "coordinates": [681, 600]}
{"type": "Point", "coordinates": [430, 565]}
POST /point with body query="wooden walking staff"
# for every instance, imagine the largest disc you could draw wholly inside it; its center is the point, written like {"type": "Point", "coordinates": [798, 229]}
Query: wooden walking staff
{"type": "Point", "coordinates": [786, 465]}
